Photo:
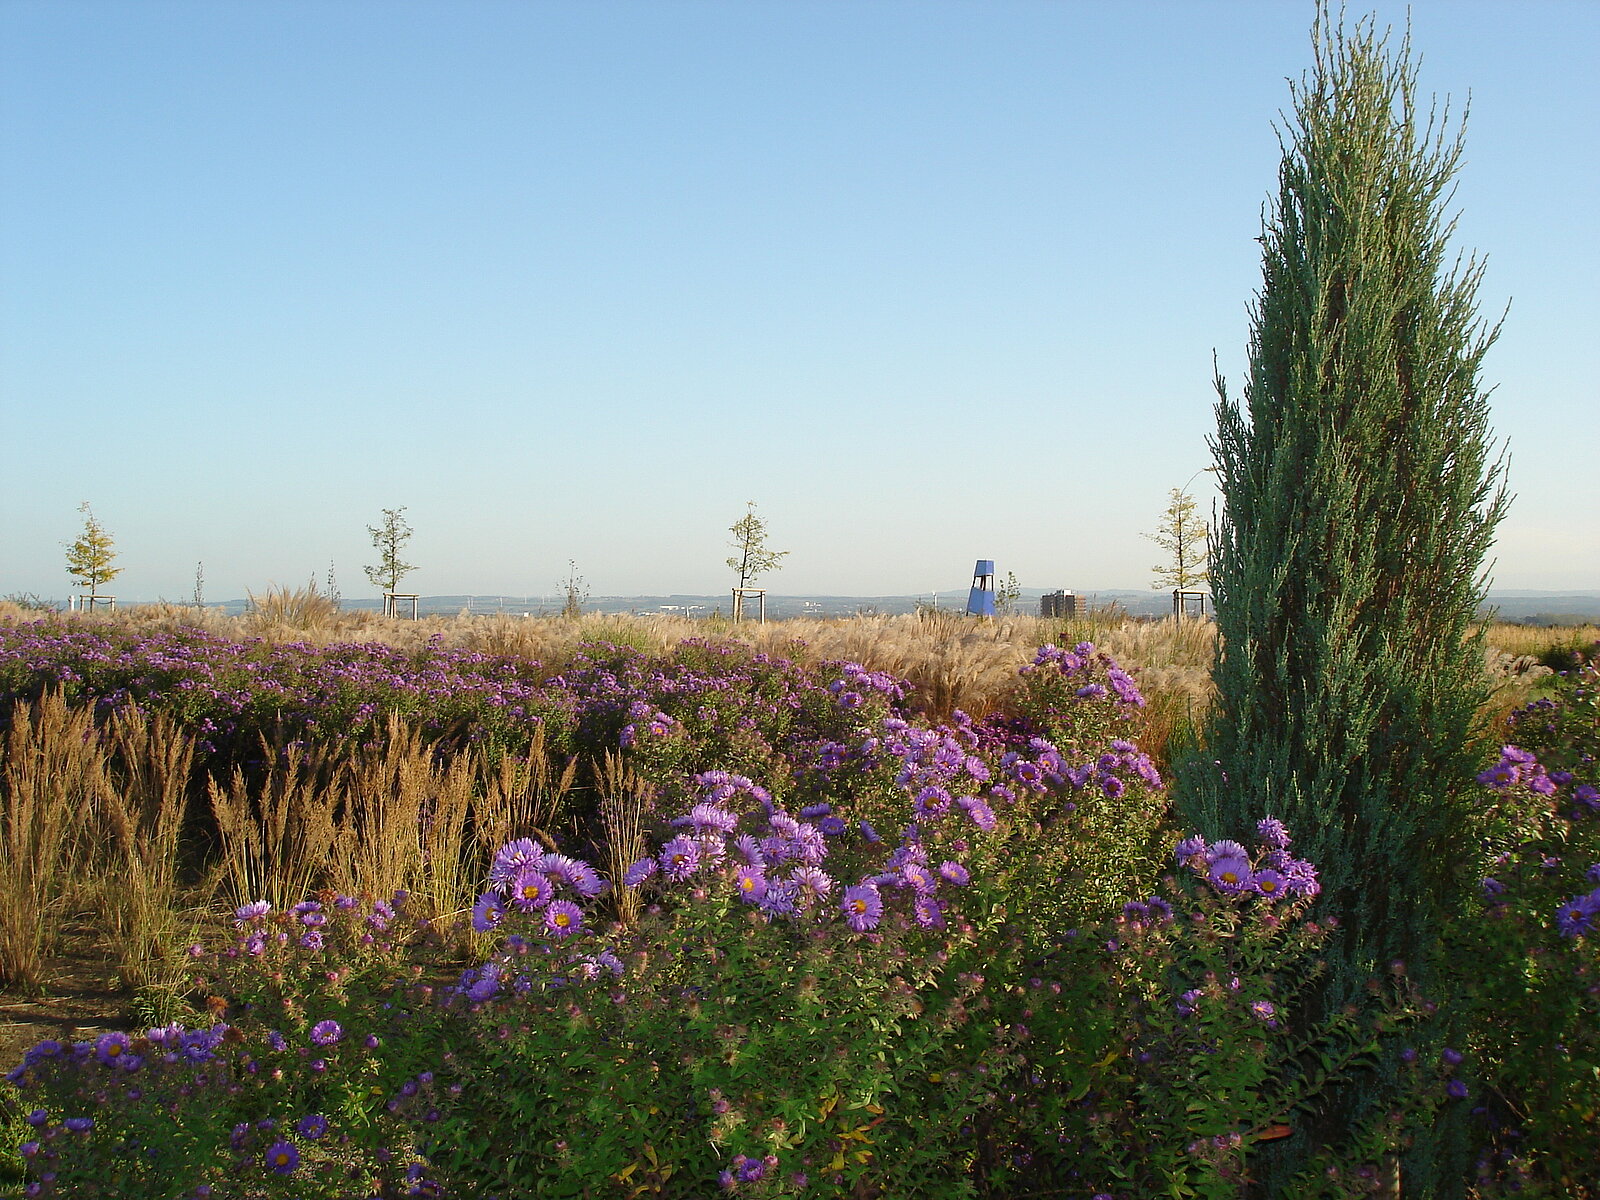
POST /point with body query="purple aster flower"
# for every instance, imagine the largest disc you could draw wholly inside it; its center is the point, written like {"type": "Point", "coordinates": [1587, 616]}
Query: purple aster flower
{"type": "Point", "coordinates": [1226, 849]}
{"type": "Point", "coordinates": [639, 872]}
{"type": "Point", "coordinates": [1189, 1002]}
{"type": "Point", "coordinates": [1229, 873]}
{"type": "Point", "coordinates": [1300, 878]}
{"type": "Point", "coordinates": [312, 1126]}
{"type": "Point", "coordinates": [954, 872]}
{"type": "Point", "coordinates": [915, 875]}
{"type": "Point", "coordinates": [1189, 848]}
{"type": "Point", "coordinates": [1587, 795]}
{"type": "Point", "coordinates": [868, 832]}
{"type": "Point", "coordinates": [750, 883]}
{"type": "Point", "coordinates": [488, 912]}
{"type": "Point", "coordinates": [246, 913]}
{"type": "Point", "coordinates": [326, 1033]}
{"type": "Point", "coordinates": [485, 987]}
{"type": "Point", "coordinates": [584, 879]}
{"type": "Point", "coordinates": [1263, 1010]}
{"type": "Point", "coordinates": [282, 1157]}
{"type": "Point", "coordinates": [780, 899]}
{"type": "Point", "coordinates": [563, 918]}
{"type": "Point", "coordinates": [862, 907]}
{"type": "Point", "coordinates": [832, 826]}
{"type": "Point", "coordinates": [511, 858]}
{"type": "Point", "coordinates": [708, 816]}
{"type": "Point", "coordinates": [929, 913]}
{"type": "Point", "coordinates": [110, 1048]}
{"type": "Point", "coordinates": [78, 1124]}
{"type": "Point", "coordinates": [531, 889]}
{"type": "Point", "coordinates": [1576, 918]}
{"type": "Point", "coordinates": [980, 812]}
{"type": "Point", "coordinates": [1272, 833]}
{"type": "Point", "coordinates": [680, 858]}
{"type": "Point", "coordinates": [930, 801]}
{"type": "Point", "coordinates": [811, 883]}
{"type": "Point", "coordinates": [1268, 884]}
{"type": "Point", "coordinates": [1456, 1089]}
{"type": "Point", "coordinates": [311, 939]}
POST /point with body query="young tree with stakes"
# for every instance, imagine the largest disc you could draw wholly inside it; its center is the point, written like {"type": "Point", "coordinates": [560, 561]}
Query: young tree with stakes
{"type": "Point", "coordinates": [389, 539]}
{"type": "Point", "coordinates": [750, 541]}
{"type": "Point", "coordinates": [1360, 498]}
{"type": "Point", "coordinates": [89, 558]}
{"type": "Point", "coordinates": [1184, 536]}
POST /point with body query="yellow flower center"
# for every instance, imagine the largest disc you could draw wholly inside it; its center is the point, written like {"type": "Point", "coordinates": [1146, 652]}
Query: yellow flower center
{"type": "Point", "coordinates": [563, 919]}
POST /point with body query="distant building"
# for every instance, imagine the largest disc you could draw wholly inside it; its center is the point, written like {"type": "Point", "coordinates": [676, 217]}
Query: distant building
{"type": "Point", "coordinates": [1058, 605]}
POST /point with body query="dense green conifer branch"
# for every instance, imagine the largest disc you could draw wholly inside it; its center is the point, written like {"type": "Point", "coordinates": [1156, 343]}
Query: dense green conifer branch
{"type": "Point", "coordinates": [1361, 496]}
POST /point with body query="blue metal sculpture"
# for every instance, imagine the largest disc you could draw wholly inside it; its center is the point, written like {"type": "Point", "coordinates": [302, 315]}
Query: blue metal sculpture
{"type": "Point", "coordinates": [980, 601]}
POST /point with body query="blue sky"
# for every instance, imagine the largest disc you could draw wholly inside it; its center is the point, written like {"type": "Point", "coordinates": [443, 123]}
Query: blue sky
{"type": "Point", "coordinates": [927, 281]}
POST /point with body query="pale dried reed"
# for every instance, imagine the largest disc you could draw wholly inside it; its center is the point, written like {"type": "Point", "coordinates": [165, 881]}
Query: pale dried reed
{"type": "Point", "coordinates": [384, 786]}
{"type": "Point", "coordinates": [152, 766]}
{"type": "Point", "coordinates": [52, 789]}
{"type": "Point", "coordinates": [520, 798]}
{"type": "Point", "coordinates": [278, 836]}
{"type": "Point", "coordinates": [623, 798]}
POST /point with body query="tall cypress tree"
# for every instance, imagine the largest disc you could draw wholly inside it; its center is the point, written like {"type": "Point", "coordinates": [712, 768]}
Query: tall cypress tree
{"type": "Point", "coordinates": [1360, 498]}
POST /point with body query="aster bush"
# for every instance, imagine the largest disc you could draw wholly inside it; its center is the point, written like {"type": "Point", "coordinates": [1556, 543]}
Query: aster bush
{"type": "Point", "coordinates": [300, 1081]}
{"type": "Point", "coordinates": [1209, 1057]}
{"type": "Point", "coordinates": [1532, 935]}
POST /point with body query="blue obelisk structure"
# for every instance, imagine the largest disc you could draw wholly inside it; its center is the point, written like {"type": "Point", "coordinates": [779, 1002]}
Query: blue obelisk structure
{"type": "Point", "coordinates": [980, 601]}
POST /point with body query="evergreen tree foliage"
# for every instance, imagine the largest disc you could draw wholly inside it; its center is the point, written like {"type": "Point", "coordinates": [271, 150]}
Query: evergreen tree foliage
{"type": "Point", "coordinates": [1360, 498]}
{"type": "Point", "coordinates": [89, 558]}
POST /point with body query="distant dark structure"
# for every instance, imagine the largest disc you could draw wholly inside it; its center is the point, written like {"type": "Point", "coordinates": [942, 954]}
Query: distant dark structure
{"type": "Point", "coordinates": [1061, 605]}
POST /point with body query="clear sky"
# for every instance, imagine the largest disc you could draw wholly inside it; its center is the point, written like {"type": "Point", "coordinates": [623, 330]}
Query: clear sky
{"type": "Point", "coordinates": [576, 279]}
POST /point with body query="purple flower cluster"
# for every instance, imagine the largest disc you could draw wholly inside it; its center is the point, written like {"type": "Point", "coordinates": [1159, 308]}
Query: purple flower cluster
{"type": "Point", "coordinates": [1580, 916]}
{"type": "Point", "coordinates": [531, 879]}
{"type": "Point", "coordinates": [1079, 661]}
{"type": "Point", "coordinates": [1272, 874]}
{"type": "Point", "coordinates": [1518, 767]}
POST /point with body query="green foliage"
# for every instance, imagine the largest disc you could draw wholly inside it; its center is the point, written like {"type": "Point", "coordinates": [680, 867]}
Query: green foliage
{"type": "Point", "coordinates": [89, 558]}
{"type": "Point", "coordinates": [389, 538]}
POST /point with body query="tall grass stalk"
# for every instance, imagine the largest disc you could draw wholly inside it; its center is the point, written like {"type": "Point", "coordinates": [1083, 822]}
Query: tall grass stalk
{"type": "Point", "coordinates": [384, 789]}
{"type": "Point", "coordinates": [277, 835]}
{"type": "Point", "coordinates": [145, 807]}
{"type": "Point", "coordinates": [520, 798]}
{"type": "Point", "coordinates": [54, 784]}
{"type": "Point", "coordinates": [623, 797]}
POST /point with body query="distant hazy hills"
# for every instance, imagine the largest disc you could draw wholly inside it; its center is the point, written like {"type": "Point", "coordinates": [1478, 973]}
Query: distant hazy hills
{"type": "Point", "coordinates": [1542, 608]}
